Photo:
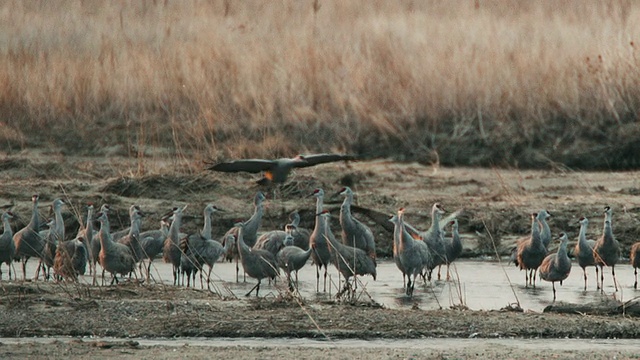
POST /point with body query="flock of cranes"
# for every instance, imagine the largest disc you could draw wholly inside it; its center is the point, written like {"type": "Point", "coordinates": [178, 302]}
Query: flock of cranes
{"type": "Point", "coordinates": [262, 255]}
{"type": "Point", "coordinates": [531, 255]}
{"type": "Point", "coordinates": [417, 253]}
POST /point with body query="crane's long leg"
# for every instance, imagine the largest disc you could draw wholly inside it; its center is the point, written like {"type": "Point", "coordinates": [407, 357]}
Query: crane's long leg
{"type": "Point", "coordinates": [256, 287]}
{"type": "Point", "coordinates": [584, 271]}
{"type": "Point", "coordinates": [24, 268]}
{"type": "Point", "coordinates": [635, 272]}
{"type": "Point", "coordinates": [613, 274]}
{"type": "Point", "coordinates": [325, 279]}
{"type": "Point", "coordinates": [439, 267]}
{"type": "Point", "coordinates": [553, 284]}
{"type": "Point", "coordinates": [317, 278]}
{"type": "Point", "coordinates": [237, 270]}
{"type": "Point", "coordinates": [597, 278]}
{"type": "Point", "coordinates": [601, 279]}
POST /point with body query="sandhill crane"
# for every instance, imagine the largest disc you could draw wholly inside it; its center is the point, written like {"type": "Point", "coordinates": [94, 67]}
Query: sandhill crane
{"type": "Point", "coordinates": [71, 259]}
{"type": "Point", "coordinates": [27, 240]}
{"type": "Point", "coordinates": [250, 231]}
{"type": "Point", "coordinates": [606, 251]}
{"type": "Point", "coordinates": [349, 261]}
{"type": "Point", "coordinates": [584, 250]}
{"type": "Point", "coordinates": [634, 256]}
{"type": "Point", "coordinates": [300, 234]}
{"type": "Point", "coordinates": [434, 238]}
{"type": "Point", "coordinates": [152, 242]}
{"type": "Point", "coordinates": [132, 238]}
{"type": "Point", "coordinates": [171, 252]}
{"type": "Point", "coordinates": [257, 263]}
{"type": "Point", "coordinates": [453, 247]}
{"type": "Point", "coordinates": [272, 241]}
{"type": "Point", "coordinates": [196, 250]}
{"type": "Point", "coordinates": [355, 233]}
{"type": "Point", "coordinates": [125, 231]}
{"type": "Point", "coordinates": [277, 171]}
{"type": "Point", "coordinates": [406, 254]}
{"type": "Point", "coordinates": [292, 258]}
{"type": "Point", "coordinates": [52, 236]}
{"type": "Point", "coordinates": [531, 252]}
{"type": "Point", "coordinates": [545, 231]}
{"type": "Point", "coordinates": [422, 247]}
{"type": "Point", "coordinates": [321, 255]}
{"type": "Point", "coordinates": [51, 240]}
{"type": "Point", "coordinates": [200, 252]}
{"type": "Point", "coordinates": [7, 246]}
{"type": "Point", "coordinates": [398, 232]}
{"type": "Point", "coordinates": [114, 257]}
{"type": "Point", "coordinates": [94, 245]}
{"type": "Point", "coordinates": [87, 233]}
{"type": "Point", "coordinates": [556, 267]}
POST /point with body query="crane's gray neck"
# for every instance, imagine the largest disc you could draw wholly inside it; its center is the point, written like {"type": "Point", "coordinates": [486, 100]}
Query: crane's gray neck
{"type": "Point", "coordinates": [435, 224]}
{"type": "Point", "coordinates": [563, 257]}
{"type": "Point", "coordinates": [174, 229]}
{"type": "Point", "coordinates": [105, 232]}
{"type": "Point", "coordinates": [296, 220]}
{"type": "Point", "coordinates": [535, 232]}
{"type": "Point", "coordinates": [206, 228]}
{"type": "Point", "coordinates": [608, 232]}
{"type": "Point", "coordinates": [346, 204]}
{"type": "Point", "coordinates": [135, 226]}
{"type": "Point", "coordinates": [546, 231]}
{"type": "Point", "coordinates": [59, 223]}
{"type": "Point", "coordinates": [164, 228]}
{"type": "Point", "coordinates": [455, 233]}
{"type": "Point", "coordinates": [582, 235]}
{"type": "Point", "coordinates": [253, 224]}
{"type": "Point", "coordinates": [89, 224]}
{"type": "Point", "coordinates": [397, 231]}
{"type": "Point", "coordinates": [401, 230]}
{"type": "Point", "coordinates": [319, 204]}
{"type": "Point", "coordinates": [242, 247]}
{"type": "Point", "coordinates": [563, 247]}
{"type": "Point", "coordinates": [7, 226]}
{"type": "Point", "coordinates": [35, 217]}
{"type": "Point", "coordinates": [326, 233]}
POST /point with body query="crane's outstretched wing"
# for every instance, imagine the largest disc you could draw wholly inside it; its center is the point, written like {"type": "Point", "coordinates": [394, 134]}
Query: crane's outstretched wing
{"type": "Point", "coordinates": [247, 165]}
{"type": "Point", "coordinates": [315, 159]}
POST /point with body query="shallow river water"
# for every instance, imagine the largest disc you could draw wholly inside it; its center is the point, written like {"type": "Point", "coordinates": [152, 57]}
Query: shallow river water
{"type": "Point", "coordinates": [482, 285]}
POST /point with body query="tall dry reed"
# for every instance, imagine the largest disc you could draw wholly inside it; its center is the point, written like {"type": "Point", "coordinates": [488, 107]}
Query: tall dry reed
{"type": "Point", "coordinates": [473, 82]}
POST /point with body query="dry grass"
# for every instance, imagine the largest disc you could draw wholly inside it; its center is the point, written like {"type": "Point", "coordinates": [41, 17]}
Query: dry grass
{"type": "Point", "coordinates": [543, 82]}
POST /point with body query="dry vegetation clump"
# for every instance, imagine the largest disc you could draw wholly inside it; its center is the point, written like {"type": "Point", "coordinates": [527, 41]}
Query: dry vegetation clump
{"type": "Point", "coordinates": [473, 82]}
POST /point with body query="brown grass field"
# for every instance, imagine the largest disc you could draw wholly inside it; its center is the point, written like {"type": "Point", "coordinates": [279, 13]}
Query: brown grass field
{"type": "Point", "coordinates": [506, 83]}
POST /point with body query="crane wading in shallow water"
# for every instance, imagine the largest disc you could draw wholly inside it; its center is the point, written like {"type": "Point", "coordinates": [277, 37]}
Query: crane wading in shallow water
{"type": "Point", "coordinates": [584, 250]}
{"type": "Point", "coordinates": [257, 263]}
{"type": "Point", "coordinates": [556, 267]}
{"type": "Point", "coordinates": [276, 171]}
{"type": "Point", "coordinates": [317, 241]}
{"type": "Point", "coordinates": [606, 250]}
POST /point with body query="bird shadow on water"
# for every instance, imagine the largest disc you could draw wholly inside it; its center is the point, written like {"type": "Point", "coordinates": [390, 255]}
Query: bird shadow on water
{"type": "Point", "coordinates": [402, 300]}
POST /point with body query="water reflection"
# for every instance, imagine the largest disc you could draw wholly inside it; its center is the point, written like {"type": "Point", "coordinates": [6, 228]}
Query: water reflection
{"type": "Point", "coordinates": [478, 285]}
